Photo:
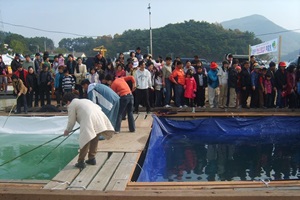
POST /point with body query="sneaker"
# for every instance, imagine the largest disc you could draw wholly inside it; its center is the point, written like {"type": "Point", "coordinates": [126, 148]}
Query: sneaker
{"type": "Point", "coordinates": [168, 106]}
{"type": "Point", "coordinates": [211, 106]}
{"type": "Point", "coordinates": [203, 106]}
{"type": "Point", "coordinates": [91, 161]}
{"type": "Point", "coordinates": [199, 106]}
{"type": "Point", "coordinates": [185, 106]}
{"type": "Point", "coordinates": [81, 165]}
{"type": "Point", "coordinates": [180, 107]}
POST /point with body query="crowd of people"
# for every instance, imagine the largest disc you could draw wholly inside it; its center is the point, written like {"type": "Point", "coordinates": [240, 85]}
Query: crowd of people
{"type": "Point", "coordinates": [159, 82]}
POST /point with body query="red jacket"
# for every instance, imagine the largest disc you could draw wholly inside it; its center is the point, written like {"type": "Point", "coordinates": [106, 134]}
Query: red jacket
{"type": "Point", "coordinates": [25, 75]}
{"type": "Point", "coordinates": [291, 82]}
{"type": "Point", "coordinates": [190, 88]}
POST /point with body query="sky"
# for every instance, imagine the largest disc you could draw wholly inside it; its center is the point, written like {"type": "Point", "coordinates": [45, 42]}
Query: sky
{"type": "Point", "coordinates": [109, 17]}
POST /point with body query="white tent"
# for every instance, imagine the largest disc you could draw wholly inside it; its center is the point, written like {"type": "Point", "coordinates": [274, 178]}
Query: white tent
{"type": "Point", "coordinates": [7, 59]}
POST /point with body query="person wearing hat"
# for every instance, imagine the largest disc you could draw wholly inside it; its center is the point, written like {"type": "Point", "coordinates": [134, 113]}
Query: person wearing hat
{"type": "Point", "coordinates": [103, 96]}
{"type": "Point", "coordinates": [255, 86]}
{"type": "Point", "coordinates": [37, 63]}
{"type": "Point", "coordinates": [143, 83]}
{"type": "Point", "coordinates": [223, 83]}
{"type": "Point", "coordinates": [100, 58]}
{"type": "Point", "coordinates": [280, 84]}
{"type": "Point", "coordinates": [20, 90]}
{"type": "Point", "coordinates": [15, 63]}
{"type": "Point", "coordinates": [213, 84]}
{"type": "Point", "coordinates": [28, 62]}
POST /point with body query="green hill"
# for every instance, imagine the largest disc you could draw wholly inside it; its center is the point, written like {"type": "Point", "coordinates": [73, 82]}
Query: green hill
{"type": "Point", "coordinates": [210, 41]}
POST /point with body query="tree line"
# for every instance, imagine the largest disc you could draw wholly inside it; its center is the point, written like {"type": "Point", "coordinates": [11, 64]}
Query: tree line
{"type": "Point", "coordinates": [210, 41]}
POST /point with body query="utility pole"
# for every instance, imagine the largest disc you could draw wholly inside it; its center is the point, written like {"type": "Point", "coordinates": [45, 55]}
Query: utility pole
{"type": "Point", "coordinates": [45, 45]}
{"type": "Point", "coordinates": [150, 29]}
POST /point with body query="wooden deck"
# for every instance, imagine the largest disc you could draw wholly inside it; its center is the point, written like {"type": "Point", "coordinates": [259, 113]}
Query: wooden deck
{"type": "Point", "coordinates": [116, 161]}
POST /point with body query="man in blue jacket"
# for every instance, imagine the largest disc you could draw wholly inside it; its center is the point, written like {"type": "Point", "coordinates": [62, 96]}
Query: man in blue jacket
{"type": "Point", "coordinates": [213, 84]}
{"type": "Point", "coordinates": [105, 97]}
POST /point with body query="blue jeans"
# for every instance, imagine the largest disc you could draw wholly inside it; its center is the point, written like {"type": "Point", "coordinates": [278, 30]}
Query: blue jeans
{"type": "Point", "coordinates": [126, 105]}
{"type": "Point", "coordinates": [168, 86]}
{"type": "Point", "coordinates": [178, 95]}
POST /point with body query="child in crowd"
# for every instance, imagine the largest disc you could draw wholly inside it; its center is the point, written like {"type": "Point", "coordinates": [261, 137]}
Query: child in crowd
{"type": "Point", "coordinates": [32, 84]}
{"type": "Point", "coordinates": [93, 76]}
{"type": "Point", "coordinates": [238, 87]}
{"type": "Point", "coordinates": [213, 84]}
{"type": "Point", "coordinates": [158, 89]}
{"type": "Point", "coordinates": [190, 88]}
{"type": "Point", "coordinates": [261, 91]}
{"type": "Point", "coordinates": [120, 72]}
{"type": "Point", "coordinates": [268, 91]}
{"type": "Point", "coordinates": [223, 80]}
{"type": "Point", "coordinates": [21, 90]}
{"type": "Point", "coordinates": [68, 82]}
{"type": "Point", "coordinates": [58, 85]}
{"type": "Point", "coordinates": [201, 82]}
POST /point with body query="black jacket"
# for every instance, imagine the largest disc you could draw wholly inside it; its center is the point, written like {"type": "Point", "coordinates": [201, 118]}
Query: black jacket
{"type": "Point", "coordinates": [44, 78]}
{"type": "Point", "coordinates": [280, 79]}
{"type": "Point", "coordinates": [71, 66]}
{"type": "Point", "coordinates": [196, 77]}
{"type": "Point", "coordinates": [32, 81]}
{"type": "Point", "coordinates": [245, 78]}
{"type": "Point", "coordinates": [232, 78]}
{"type": "Point", "coordinates": [2, 68]}
{"type": "Point", "coordinates": [15, 64]}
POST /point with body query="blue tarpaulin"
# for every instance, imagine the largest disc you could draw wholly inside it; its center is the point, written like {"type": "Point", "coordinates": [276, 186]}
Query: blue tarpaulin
{"type": "Point", "coordinates": [216, 130]}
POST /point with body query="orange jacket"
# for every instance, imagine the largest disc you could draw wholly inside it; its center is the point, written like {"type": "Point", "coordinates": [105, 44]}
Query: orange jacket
{"type": "Point", "coordinates": [120, 86]}
{"type": "Point", "coordinates": [178, 76]}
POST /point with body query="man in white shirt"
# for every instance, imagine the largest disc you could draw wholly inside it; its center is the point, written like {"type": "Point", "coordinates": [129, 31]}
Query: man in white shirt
{"type": "Point", "coordinates": [143, 83]}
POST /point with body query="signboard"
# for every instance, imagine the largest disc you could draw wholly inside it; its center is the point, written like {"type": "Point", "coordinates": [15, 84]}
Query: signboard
{"type": "Point", "coordinates": [266, 47]}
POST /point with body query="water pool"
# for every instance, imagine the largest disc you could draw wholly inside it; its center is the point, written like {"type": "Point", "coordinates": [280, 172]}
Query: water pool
{"type": "Point", "coordinates": [21, 134]}
{"type": "Point", "coordinates": [223, 149]}
{"type": "Point", "coordinates": [28, 167]}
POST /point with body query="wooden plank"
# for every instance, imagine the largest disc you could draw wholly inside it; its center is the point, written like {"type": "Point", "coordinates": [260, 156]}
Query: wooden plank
{"type": "Point", "coordinates": [232, 113]}
{"type": "Point", "coordinates": [121, 177]}
{"type": "Point", "coordinates": [103, 177]}
{"type": "Point", "coordinates": [222, 194]}
{"type": "Point", "coordinates": [88, 173]}
{"type": "Point", "coordinates": [144, 120]}
{"type": "Point", "coordinates": [124, 124]}
{"type": "Point", "coordinates": [127, 141]}
{"type": "Point", "coordinates": [67, 175]}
